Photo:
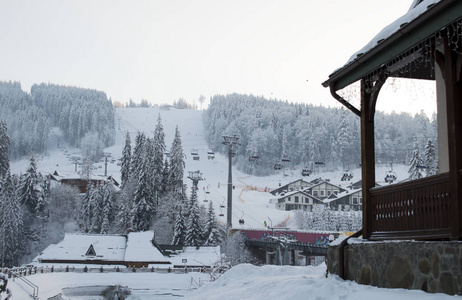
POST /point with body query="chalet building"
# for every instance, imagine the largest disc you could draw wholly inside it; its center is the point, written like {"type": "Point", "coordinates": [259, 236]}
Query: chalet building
{"type": "Point", "coordinates": [423, 215]}
{"type": "Point", "coordinates": [323, 189]}
{"type": "Point", "coordinates": [346, 200]}
{"type": "Point", "coordinates": [296, 185]}
{"type": "Point", "coordinates": [77, 181]}
{"type": "Point", "coordinates": [137, 249]}
{"type": "Point", "coordinates": [133, 250]}
{"type": "Point", "coordinates": [297, 200]}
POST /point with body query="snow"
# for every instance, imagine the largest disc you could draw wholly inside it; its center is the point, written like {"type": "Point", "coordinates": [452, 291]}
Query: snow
{"type": "Point", "coordinates": [250, 202]}
{"type": "Point", "coordinates": [386, 32]}
{"type": "Point", "coordinates": [204, 256]}
{"type": "Point", "coordinates": [140, 248]}
{"type": "Point", "coordinates": [74, 246]}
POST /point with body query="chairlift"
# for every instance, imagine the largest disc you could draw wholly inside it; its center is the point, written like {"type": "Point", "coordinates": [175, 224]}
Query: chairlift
{"type": "Point", "coordinates": [306, 172]}
{"type": "Point", "coordinates": [221, 213]}
{"type": "Point", "coordinates": [210, 154]}
{"type": "Point", "coordinates": [253, 157]}
{"type": "Point", "coordinates": [241, 220]}
{"type": "Point", "coordinates": [195, 154]}
{"type": "Point", "coordinates": [285, 159]}
{"type": "Point", "coordinates": [166, 153]}
{"type": "Point", "coordinates": [278, 166]}
{"type": "Point", "coordinates": [390, 176]}
{"type": "Point", "coordinates": [347, 175]}
{"type": "Point", "coordinates": [319, 163]}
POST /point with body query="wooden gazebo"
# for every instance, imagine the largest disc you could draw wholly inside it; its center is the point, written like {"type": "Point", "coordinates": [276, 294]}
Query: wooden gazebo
{"type": "Point", "coordinates": [424, 44]}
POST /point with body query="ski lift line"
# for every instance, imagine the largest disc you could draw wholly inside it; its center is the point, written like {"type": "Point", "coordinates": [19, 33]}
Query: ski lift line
{"type": "Point", "coordinates": [234, 206]}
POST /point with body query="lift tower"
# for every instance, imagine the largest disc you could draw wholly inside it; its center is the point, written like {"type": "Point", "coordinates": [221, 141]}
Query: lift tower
{"type": "Point", "coordinates": [230, 141]}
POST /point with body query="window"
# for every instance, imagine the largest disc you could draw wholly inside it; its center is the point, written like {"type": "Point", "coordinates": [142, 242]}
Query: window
{"type": "Point", "coordinates": [307, 200]}
{"type": "Point", "coordinates": [296, 199]}
{"type": "Point", "coordinates": [329, 192]}
{"type": "Point", "coordinates": [355, 200]}
{"type": "Point", "coordinates": [288, 199]}
{"type": "Point", "coordinates": [322, 193]}
{"type": "Point", "coordinates": [315, 193]}
{"type": "Point", "coordinates": [360, 200]}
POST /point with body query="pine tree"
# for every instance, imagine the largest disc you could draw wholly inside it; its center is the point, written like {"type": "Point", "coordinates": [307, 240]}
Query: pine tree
{"type": "Point", "coordinates": [430, 159]}
{"type": "Point", "coordinates": [123, 215]}
{"type": "Point", "coordinates": [28, 194]}
{"type": "Point", "coordinates": [177, 165]}
{"type": "Point", "coordinates": [142, 210]}
{"type": "Point", "coordinates": [11, 223]}
{"type": "Point", "coordinates": [158, 159]}
{"type": "Point", "coordinates": [194, 227]}
{"type": "Point", "coordinates": [343, 138]}
{"type": "Point", "coordinates": [138, 157]}
{"type": "Point", "coordinates": [126, 161]}
{"type": "Point", "coordinates": [4, 150]}
{"type": "Point", "coordinates": [179, 229]}
{"type": "Point", "coordinates": [212, 233]}
{"type": "Point", "coordinates": [86, 209]}
{"type": "Point", "coordinates": [108, 212]}
{"type": "Point", "coordinates": [414, 172]}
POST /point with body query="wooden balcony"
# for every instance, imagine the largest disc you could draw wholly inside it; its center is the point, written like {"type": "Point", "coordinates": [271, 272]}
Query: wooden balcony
{"type": "Point", "coordinates": [419, 209]}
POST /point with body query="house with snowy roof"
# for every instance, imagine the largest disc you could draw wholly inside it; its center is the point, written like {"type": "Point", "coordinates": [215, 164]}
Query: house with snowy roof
{"type": "Point", "coordinates": [76, 180]}
{"type": "Point", "coordinates": [323, 189]}
{"type": "Point", "coordinates": [423, 217]}
{"type": "Point", "coordinates": [346, 200]}
{"type": "Point", "coordinates": [297, 200]}
{"type": "Point", "coordinates": [133, 250]}
{"type": "Point", "coordinates": [296, 185]}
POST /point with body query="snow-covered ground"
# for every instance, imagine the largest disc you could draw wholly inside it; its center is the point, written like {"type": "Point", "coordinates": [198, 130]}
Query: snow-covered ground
{"type": "Point", "coordinates": [241, 282]}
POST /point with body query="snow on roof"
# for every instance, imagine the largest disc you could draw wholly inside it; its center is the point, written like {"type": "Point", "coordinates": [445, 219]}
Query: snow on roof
{"type": "Point", "coordinates": [203, 256]}
{"type": "Point", "coordinates": [72, 175]}
{"type": "Point", "coordinates": [74, 246]}
{"type": "Point", "coordinates": [415, 10]}
{"type": "Point", "coordinates": [141, 248]}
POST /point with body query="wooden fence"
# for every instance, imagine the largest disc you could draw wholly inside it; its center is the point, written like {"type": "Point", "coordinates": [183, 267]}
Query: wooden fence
{"type": "Point", "coordinates": [419, 209]}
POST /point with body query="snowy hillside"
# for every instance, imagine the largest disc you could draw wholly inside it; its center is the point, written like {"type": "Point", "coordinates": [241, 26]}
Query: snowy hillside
{"type": "Point", "coordinates": [250, 202]}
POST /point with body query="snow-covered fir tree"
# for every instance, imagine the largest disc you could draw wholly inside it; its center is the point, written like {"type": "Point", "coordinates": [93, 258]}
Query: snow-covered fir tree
{"type": "Point", "coordinates": [158, 158]}
{"type": "Point", "coordinates": [11, 223]}
{"type": "Point", "coordinates": [126, 161]}
{"type": "Point", "coordinates": [28, 188]}
{"type": "Point", "coordinates": [4, 149]}
{"type": "Point", "coordinates": [430, 159]}
{"type": "Point", "coordinates": [212, 233]}
{"type": "Point", "coordinates": [123, 215]}
{"type": "Point", "coordinates": [415, 162]}
{"type": "Point", "coordinates": [177, 165]}
{"type": "Point", "coordinates": [194, 228]}
{"type": "Point", "coordinates": [138, 156]}
{"type": "Point", "coordinates": [87, 209]}
{"type": "Point", "coordinates": [143, 210]}
{"type": "Point", "coordinates": [179, 229]}
{"type": "Point", "coordinates": [343, 139]}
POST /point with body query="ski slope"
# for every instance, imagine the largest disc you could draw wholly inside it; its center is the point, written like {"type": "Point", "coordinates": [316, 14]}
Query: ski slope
{"type": "Point", "coordinates": [250, 202]}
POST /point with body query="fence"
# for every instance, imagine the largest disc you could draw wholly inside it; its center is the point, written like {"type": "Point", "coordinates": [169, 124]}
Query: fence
{"type": "Point", "coordinates": [414, 209]}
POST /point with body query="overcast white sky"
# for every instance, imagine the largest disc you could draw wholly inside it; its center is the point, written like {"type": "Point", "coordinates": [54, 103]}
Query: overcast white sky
{"type": "Point", "coordinates": [163, 50]}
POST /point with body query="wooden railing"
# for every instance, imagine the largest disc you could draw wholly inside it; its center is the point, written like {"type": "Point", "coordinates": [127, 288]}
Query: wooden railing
{"type": "Point", "coordinates": [419, 209]}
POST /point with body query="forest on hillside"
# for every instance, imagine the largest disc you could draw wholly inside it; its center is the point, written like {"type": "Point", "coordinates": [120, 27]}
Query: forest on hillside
{"type": "Point", "coordinates": [79, 113]}
{"type": "Point", "coordinates": [280, 131]}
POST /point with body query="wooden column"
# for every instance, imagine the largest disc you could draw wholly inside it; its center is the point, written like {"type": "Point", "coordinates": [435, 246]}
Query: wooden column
{"type": "Point", "coordinates": [452, 78]}
{"type": "Point", "coordinates": [367, 156]}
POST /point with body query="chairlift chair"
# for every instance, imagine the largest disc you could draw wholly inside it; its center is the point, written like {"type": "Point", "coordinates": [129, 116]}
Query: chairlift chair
{"type": "Point", "coordinates": [390, 176]}
{"type": "Point", "coordinates": [277, 166]}
{"type": "Point", "coordinates": [253, 157]}
{"type": "Point", "coordinates": [210, 154]}
{"type": "Point", "coordinates": [306, 172]}
{"type": "Point", "coordinates": [285, 159]}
